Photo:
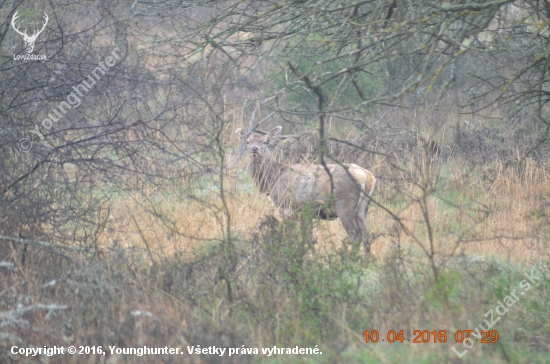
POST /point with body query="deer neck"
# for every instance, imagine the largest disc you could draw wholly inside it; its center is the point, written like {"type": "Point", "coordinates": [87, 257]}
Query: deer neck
{"type": "Point", "coordinates": [266, 174]}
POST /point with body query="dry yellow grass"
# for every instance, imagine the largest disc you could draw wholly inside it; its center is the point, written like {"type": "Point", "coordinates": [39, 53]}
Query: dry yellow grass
{"type": "Point", "coordinates": [511, 230]}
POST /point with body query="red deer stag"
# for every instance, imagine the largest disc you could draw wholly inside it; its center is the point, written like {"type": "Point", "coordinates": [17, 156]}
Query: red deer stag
{"type": "Point", "coordinates": [292, 187]}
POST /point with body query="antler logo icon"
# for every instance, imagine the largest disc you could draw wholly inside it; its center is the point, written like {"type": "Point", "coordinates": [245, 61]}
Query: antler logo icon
{"type": "Point", "coordinates": [29, 40]}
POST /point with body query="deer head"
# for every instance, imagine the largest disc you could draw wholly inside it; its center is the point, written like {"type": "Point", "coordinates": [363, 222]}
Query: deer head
{"type": "Point", "coordinates": [29, 40]}
{"type": "Point", "coordinates": [257, 144]}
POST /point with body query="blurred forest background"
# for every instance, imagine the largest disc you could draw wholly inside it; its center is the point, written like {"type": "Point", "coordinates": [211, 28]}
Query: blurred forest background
{"type": "Point", "coordinates": [132, 220]}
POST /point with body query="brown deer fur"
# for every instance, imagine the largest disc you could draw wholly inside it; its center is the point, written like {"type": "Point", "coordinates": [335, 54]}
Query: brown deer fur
{"type": "Point", "coordinates": [295, 186]}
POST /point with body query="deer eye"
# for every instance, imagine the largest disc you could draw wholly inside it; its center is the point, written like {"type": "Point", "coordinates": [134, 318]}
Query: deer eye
{"type": "Point", "coordinates": [266, 142]}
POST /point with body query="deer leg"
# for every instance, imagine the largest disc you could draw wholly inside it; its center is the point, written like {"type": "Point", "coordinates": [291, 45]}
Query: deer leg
{"type": "Point", "coordinates": [360, 220]}
{"type": "Point", "coordinates": [354, 222]}
{"type": "Point", "coordinates": [305, 221]}
{"type": "Point", "coordinates": [306, 228]}
{"type": "Point", "coordinates": [349, 224]}
{"type": "Point", "coordinates": [308, 234]}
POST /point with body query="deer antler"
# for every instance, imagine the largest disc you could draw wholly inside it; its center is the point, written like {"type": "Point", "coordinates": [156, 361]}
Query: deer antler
{"type": "Point", "coordinates": [29, 39]}
{"type": "Point", "coordinates": [15, 28]}
{"type": "Point", "coordinates": [43, 25]}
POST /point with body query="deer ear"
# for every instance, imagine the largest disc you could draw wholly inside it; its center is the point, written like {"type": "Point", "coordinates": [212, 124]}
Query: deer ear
{"type": "Point", "coordinates": [241, 134]}
{"type": "Point", "coordinates": [274, 133]}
